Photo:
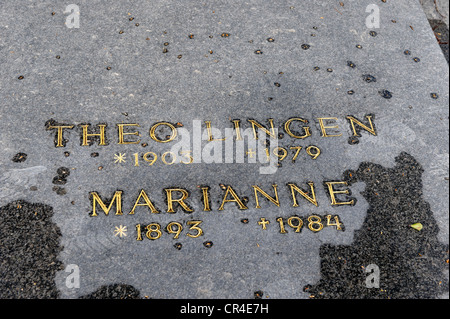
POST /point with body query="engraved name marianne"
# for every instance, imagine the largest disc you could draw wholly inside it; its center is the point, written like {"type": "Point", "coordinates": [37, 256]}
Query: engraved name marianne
{"type": "Point", "coordinates": [128, 133]}
{"type": "Point", "coordinates": [178, 198]}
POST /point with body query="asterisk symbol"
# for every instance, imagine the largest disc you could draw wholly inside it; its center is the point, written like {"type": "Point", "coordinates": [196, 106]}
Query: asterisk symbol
{"type": "Point", "coordinates": [120, 158]}
{"type": "Point", "coordinates": [120, 231]}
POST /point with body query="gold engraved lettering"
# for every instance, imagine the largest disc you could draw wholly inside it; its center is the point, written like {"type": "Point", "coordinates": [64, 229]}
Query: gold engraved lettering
{"type": "Point", "coordinates": [287, 128]}
{"type": "Point", "coordinates": [153, 160]}
{"type": "Point", "coordinates": [117, 199]}
{"type": "Point", "coordinates": [122, 134]}
{"type": "Point", "coordinates": [274, 200]}
{"type": "Point", "coordinates": [236, 199]}
{"type": "Point", "coordinates": [354, 121]}
{"type": "Point", "coordinates": [188, 155]}
{"type": "Point", "coordinates": [336, 222]}
{"type": "Point", "coordinates": [315, 220]}
{"type": "Point", "coordinates": [205, 191]}
{"type": "Point", "coordinates": [180, 201]}
{"type": "Point", "coordinates": [210, 137]}
{"type": "Point", "coordinates": [172, 155]}
{"type": "Point", "coordinates": [86, 135]}
{"type": "Point", "coordinates": [323, 127]}
{"type": "Point", "coordinates": [237, 128]}
{"type": "Point", "coordinates": [195, 227]}
{"type": "Point", "coordinates": [314, 154]}
{"type": "Point", "coordinates": [255, 125]}
{"type": "Point", "coordinates": [171, 137]}
{"type": "Point", "coordinates": [298, 148]}
{"type": "Point", "coordinates": [59, 133]}
{"type": "Point", "coordinates": [139, 232]}
{"type": "Point", "coordinates": [147, 203]}
{"type": "Point", "coordinates": [311, 199]}
{"type": "Point", "coordinates": [333, 193]}
{"type": "Point", "coordinates": [298, 226]}
{"type": "Point", "coordinates": [282, 229]}
{"type": "Point", "coordinates": [282, 156]}
{"type": "Point", "coordinates": [153, 228]}
{"type": "Point", "coordinates": [178, 230]}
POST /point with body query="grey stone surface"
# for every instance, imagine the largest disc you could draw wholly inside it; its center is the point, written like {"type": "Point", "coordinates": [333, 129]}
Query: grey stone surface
{"type": "Point", "coordinates": [115, 70]}
{"type": "Point", "coordinates": [436, 10]}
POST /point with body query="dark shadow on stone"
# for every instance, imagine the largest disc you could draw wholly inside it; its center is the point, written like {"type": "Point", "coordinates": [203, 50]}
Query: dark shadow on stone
{"type": "Point", "coordinates": [440, 30]}
{"type": "Point", "coordinates": [411, 262]}
{"type": "Point", "coordinates": [29, 248]}
{"type": "Point", "coordinates": [115, 291]}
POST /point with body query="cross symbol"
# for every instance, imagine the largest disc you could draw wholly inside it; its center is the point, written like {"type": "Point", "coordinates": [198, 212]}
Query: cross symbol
{"type": "Point", "coordinates": [251, 153]}
{"type": "Point", "coordinates": [263, 223]}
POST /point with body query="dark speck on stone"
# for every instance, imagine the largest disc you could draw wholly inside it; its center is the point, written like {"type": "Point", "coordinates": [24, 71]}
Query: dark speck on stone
{"type": "Point", "coordinates": [271, 40]}
{"type": "Point", "coordinates": [63, 172]}
{"type": "Point", "coordinates": [60, 190]}
{"type": "Point", "coordinates": [19, 158]}
{"type": "Point", "coordinates": [258, 52]}
{"type": "Point", "coordinates": [208, 244]}
{"type": "Point", "coordinates": [178, 246]}
{"type": "Point", "coordinates": [244, 221]}
{"type": "Point", "coordinates": [21, 77]}
{"type": "Point", "coordinates": [416, 59]}
{"type": "Point", "coordinates": [316, 68]}
{"type": "Point", "coordinates": [95, 154]}
{"type": "Point", "coordinates": [330, 70]}
{"type": "Point", "coordinates": [386, 94]}
{"type": "Point", "coordinates": [277, 84]}
{"type": "Point", "coordinates": [258, 294]}
{"type": "Point", "coordinates": [434, 96]}
{"type": "Point", "coordinates": [369, 78]}
{"type": "Point", "coordinates": [407, 52]}
{"type": "Point", "coordinates": [59, 180]}
{"type": "Point", "coordinates": [359, 46]}
{"type": "Point", "coordinates": [353, 140]}
{"type": "Point", "coordinates": [351, 64]}
{"type": "Point", "coordinates": [305, 46]}
{"type": "Point", "coordinates": [351, 92]}
{"type": "Point", "coordinates": [373, 33]}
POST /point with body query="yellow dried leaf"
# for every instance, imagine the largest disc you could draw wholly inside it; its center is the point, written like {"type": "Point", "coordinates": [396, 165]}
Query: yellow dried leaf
{"type": "Point", "coordinates": [417, 226]}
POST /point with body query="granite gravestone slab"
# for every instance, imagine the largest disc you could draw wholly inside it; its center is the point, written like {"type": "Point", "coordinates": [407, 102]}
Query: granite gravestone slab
{"type": "Point", "coordinates": [221, 149]}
